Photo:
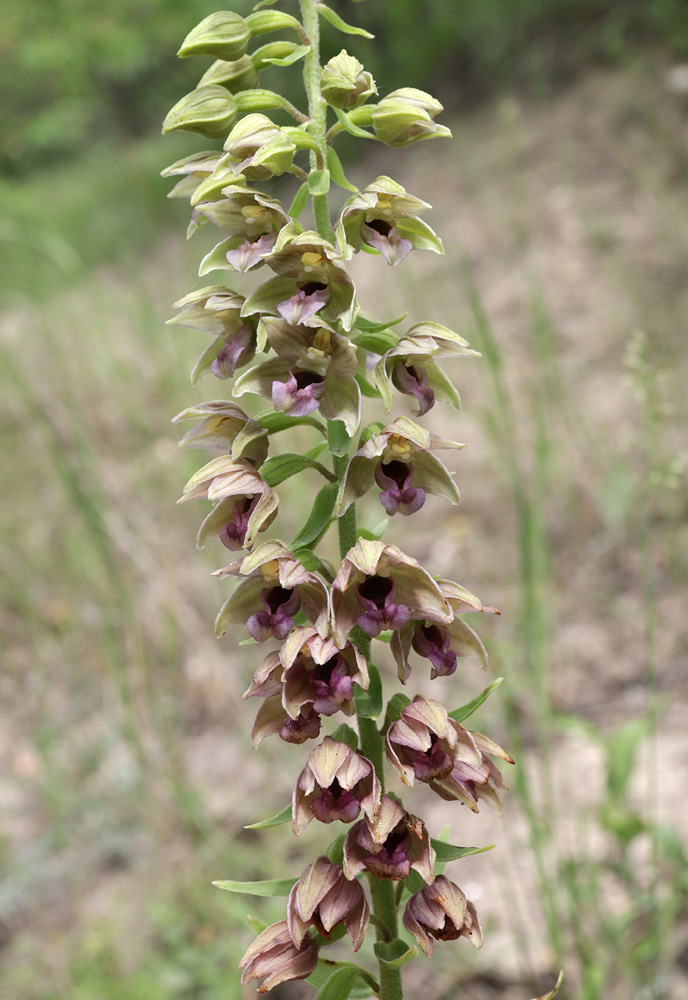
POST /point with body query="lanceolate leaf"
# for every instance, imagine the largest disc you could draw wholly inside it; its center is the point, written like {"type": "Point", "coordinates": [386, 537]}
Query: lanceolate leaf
{"type": "Point", "coordinates": [337, 437]}
{"type": "Point", "coordinates": [345, 734]}
{"type": "Point", "coordinates": [296, 208]}
{"type": "Point", "coordinates": [459, 714]}
{"type": "Point", "coordinates": [298, 53]}
{"type": "Point", "coordinates": [395, 706]}
{"type": "Point", "coordinates": [337, 22]}
{"type": "Point", "coordinates": [335, 852]}
{"type": "Point", "coordinates": [275, 470]}
{"type": "Point", "coordinates": [379, 342]}
{"type": "Point", "coordinates": [274, 422]}
{"type": "Point", "coordinates": [337, 171]}
{"type": "Point", "coordinates": [365, 988]}
{"type": "Point", "coordinates": [369, 703]}
{"type": "Point", "coordinates": [281, 817]}
{"type": "Point", "coordinates": [395, 953]}
{"type": "Point", "coordinates": [339, 985]}
{"type": "Point", "coordinates": [447, 852]}
{"type": "Point", "coordinates": [373, 326]}
{"type": "Point", "coordinates": [273, 887]}
{"type": "Point", "coordinates": [351, 126]}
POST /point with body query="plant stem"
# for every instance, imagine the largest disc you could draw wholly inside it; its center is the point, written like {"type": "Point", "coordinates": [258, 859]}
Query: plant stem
{"type": "Point", "coordinates": [317, 110]}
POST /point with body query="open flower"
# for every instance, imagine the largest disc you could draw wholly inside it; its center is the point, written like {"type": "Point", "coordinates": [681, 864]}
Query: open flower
{"type": "Point", "coordinates": [252, 220]}
{"type": "Point", "coordinates": [424, 742]}
{"type": "Point", "coordinates": [324, 898]}
{"type": "Point", "coordinates": [470, 783]}
{"type": "Point", "coordinates": [335, 784]}
{"type": "Point", "coordinates": [314, 369]}
{"type": "Point", "coordinates": [274, 588]}
{"type": "Point", "coordinates": [383, 216]}
{"type": "Point", "coordinates": [319, 673]}
{"type": "Point", "coordinates": [411, 367]}
{"type": "Point", "coordinates": [193, 170]}
{"type": "Point", "coordinates": [390, 845]}
{"type": "Point", "coordinates": [274, 957]}
{"type": "Point", "coordinates": [245, 504]}
{"type": "Point", "coordinates": [223, 425]}
{"type": "Point", "coordinates": [310, 277]}
{"type": "Point", "coordinates": [378, 588]}
{"type": "Point", "coordinates": [217, 310]}
{"type": "Point", "coordinates": [441, 911]}
{"type": "Point", "coordinates": [398, 459]}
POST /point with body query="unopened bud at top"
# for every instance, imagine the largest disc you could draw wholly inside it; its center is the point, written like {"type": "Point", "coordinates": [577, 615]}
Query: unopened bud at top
{"type": "Point", "coordinates": [406, 116]}
{"type": "Point", "coordinates": [345, 83]}
{"type": "Point", "coordinates": [223, 34]}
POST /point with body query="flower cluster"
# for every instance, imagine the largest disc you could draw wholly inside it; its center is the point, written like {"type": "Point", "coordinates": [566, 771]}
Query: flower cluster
{"type": "Point", "coordinates": [300, 341]}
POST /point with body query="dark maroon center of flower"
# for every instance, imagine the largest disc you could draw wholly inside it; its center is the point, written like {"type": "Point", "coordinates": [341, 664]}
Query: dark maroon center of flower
{"type": "Point", "coordinates": [432, 641]}
{"type": "Point", "coordinates": [414, 382]}
{"type": "Point", "coordinates": [233, 534]}
{"type": "Point", "coordinates": [398, 495]}
{"type": "Point", "coordinates": [300, 394]}
{"type": "Point", "coordinates": [334, 803]}
{"type": "Point", "coordinates": [428, 765]}
{"type": "Point", "coordinates": [380, 226]}
{"type": "Point", "coordinates": [333, 685]}
{"type": "Point", "coordinates": [277, 617]}
{"type": "Point", "coordinates": [311, 287]}
{"type": "Point", "coordinates": [447, 932]}
{"type": "Point", "coordinates": [391, 861]}
{"type": "Point", "coordinates": [305, 727]}
{"type": "Point", "coordinates": [376, 594]}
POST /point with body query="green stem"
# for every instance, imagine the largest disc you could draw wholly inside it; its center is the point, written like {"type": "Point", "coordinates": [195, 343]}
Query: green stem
{"type": "Point", "coordinates": [317, 110]}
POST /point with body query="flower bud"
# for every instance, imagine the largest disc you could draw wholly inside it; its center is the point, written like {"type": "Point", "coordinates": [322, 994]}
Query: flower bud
{"type": "Point", "coordinates": [441, 911]}
{"type": "Point", "coordinates": [208, 110]}
{"type": "Point", "coordinates": [345, 83]}
{"type": "Point", "coordinates": [274, 955]}
{"type": "Point", "coordinates": [259, 148]}
{"type": "Point", "coordinates": [406, 116]}
{"type": "Point", "coordinates": [223, 34]}
{"type": "Point", "coordinates": [240, 74]}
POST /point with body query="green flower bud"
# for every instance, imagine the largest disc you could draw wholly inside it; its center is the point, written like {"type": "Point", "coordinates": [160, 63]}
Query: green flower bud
{"type": "Point", "coordinates": [224, 35]}
{"type": "Point", "coordinates": [345, 83]}
{"type": "Point", "coordinates": [208, 110]}
{"type": "Point", "coordinates": [406, 116]}
{"type": "Point", "coordinates": [259, 148]}
{"type": "Point", "coordinates": [238, 75]}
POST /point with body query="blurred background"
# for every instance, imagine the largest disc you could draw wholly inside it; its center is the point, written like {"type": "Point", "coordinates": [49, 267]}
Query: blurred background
{"type": "Point", "coordinates": [127, 774]}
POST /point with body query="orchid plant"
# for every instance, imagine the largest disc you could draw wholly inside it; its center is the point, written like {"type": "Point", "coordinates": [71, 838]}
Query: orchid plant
{"type": "Point", "coordinates": [301, 341]}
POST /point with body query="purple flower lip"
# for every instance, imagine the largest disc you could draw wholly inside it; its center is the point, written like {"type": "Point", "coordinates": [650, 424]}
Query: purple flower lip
{"type": "Point", "coordinates": [375, 595]}
{"type": "Point", "coordinates": [414, 382]}
{"type": "Point", "coordinates": [433, 641]}
{"type": "Point", "coordinates": [276, 619]}
{"type": "Point", "coordinates": [333, 685]}
{"type": "Point", "coordinates": [335, 803]}
{"type": "Point", "coordinates": [432, 764]}
{"type": "Point", "coordinates": [398, 495]}
{"type": "Point", "coordinates": [233, 534]}
{"type": "Point", "coordinates": [391, 861]}
{"type": "Point", "coordinates": [305, 302]}
{"type": "Point", "coordinates": [306, 727]}
{"type": "Point", "coordinates": [237, 351]}
{"type": "Point", "coordinates": [300, 394]}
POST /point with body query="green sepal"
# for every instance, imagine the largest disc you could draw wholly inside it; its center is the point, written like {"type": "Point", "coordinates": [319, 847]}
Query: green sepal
{"type": "Point", "coordinates": [350, 126]}
{"type": "Point", "coordinates": [366, 388]}
{"type": "Point", "coordinates": [369, 703]}
{"type": "Point", "coordinates": [448, 852]}
{"type": "Point", "coordinates": [275, 470]}
{"type": "Point", "coordinates": [337, 22]}
{"type": "Point", "coordinates": [379, 342]}
{"type": "Point", "coordinates": [319, 517]}
{"type": "Point", "coordinates": [319, 182]}
{"type": "Point", "coordinates": [299, 203]}
{"type": "Point", "coordinates": [281, 817]}
{"type": "Point", "coordinates": [459, 714]}
{"type": "Point", "coordinates": [272, 887]}
{"type": "Point", "coordinates": [337, 171]}
{"type": "Point", "coordinates": [260, 22]}
{"type": "Point", "coordinates": [374, 326]}
{"type": "Point", "coordinates": [335, 852]}
{"type": "Point", "coordinates": [345, 734]}
{"type": "Point", "coordinates": [338, 439]}
{"type": "Point", "coordinates": [299, 52]}
{"type": "Point", "coordinates": [395, 706]}
{"type": "Point", "coordinates": [275, 422]}
{"type": "Point", "coordinates": [395, 953]}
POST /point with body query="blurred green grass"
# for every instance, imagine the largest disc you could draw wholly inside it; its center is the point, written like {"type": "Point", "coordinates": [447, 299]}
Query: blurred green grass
{"type": "Point", "coordinates": [120, 801]}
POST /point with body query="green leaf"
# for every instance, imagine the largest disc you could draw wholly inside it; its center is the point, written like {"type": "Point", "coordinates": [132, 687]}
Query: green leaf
{"type": "Point", "coordinates": [335, 852]}
{"type": "Point", "coordinates": [311, 562]}
{"type": "Point", "coordinates": [273, 887]}
{"type": "Point", "coordinates": [337, 22]}
{"type": "Point", "coordinates": [361, 991]}
{"type": "Point", "coordinates": [296, 208]}
{"type": "Point", "coordinates": [448, 852]}
{"type": "Point", "coordinates": [379, 342]}
{"type": "Point", "coordinates": [413, 882]}
{"type": "Point", "coordinates": [395, 706]}
{"type": "Point", "coordinates": [281, 817]}
{"type": "Point", "coordinates": [350, 126]}
{"type": "Point", "coordinates": [275, 422]}
{"type": "Point", "coordinates": [275, 470]}
{"type": "Point", "coordinates": [395, 953]}
{"type": "Point", "coordinates": [622, 747]}
{"type": "Point", "coordinates": [319, 517]}
{"type": "Point", "coordinates": [338, 439]}
{"type": "Point", "coordinates": [299, 52]}
{"type": "Point", "coordinates": [256, 925]}
{"type": "Point", "coordinates": [459, 714]}
{"type": "Point", "coordinates": [366, 388]}
{"type": "Point", "coordinates": [337, 171]}
{"type": "Point", "coordinates": [369, 703]}
{"type": "Point", "coordinates": [339, 984]}
{"type": "Point", "coordinates": [346, 735]}
{"type": "Point", "coordinates": [373, 326]}
{"type": "Point", "coordinates": [319, 182]}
